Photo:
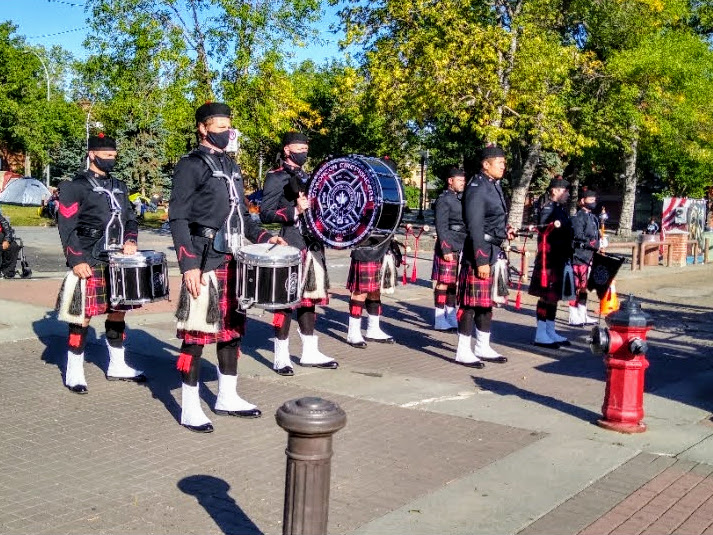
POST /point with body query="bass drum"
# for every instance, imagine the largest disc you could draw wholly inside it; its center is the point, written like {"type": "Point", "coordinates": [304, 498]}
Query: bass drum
{"type": "Point", "coordinates": [353, 198]}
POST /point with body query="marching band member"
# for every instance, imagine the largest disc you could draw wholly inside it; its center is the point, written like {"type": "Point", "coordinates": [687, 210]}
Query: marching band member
{"type": "Point", "coordinates": [284, 202]}
{"type": "Point", "coordinates": [585, 228]}
{"type": "Point", "coordinates": [450, 232]}
{"type": "Point", "coordinates": [485, 216]}
{"type": "Point", "coordinates": [371, 270]}
{"type": "Point", "coordinates": [208, 219]}
{"type": "Point", "coordinates": [554, 250]}
{"type": "Point", "coordinates": [94, 209]}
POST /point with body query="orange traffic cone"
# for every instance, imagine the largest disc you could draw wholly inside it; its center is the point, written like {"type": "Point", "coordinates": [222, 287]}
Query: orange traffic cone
{"type": "Point", "coordinates": [610, 303]}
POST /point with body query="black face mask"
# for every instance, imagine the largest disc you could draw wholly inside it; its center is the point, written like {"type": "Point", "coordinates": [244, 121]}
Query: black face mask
{"type": "Point", "coordinates": [590, 206]}
{"type": "Point", "coordinates": [219, 139]}
{"type": "Point", "coordinates": [104, 164]}
{"type": "Point", "coordinates": [299, 158]}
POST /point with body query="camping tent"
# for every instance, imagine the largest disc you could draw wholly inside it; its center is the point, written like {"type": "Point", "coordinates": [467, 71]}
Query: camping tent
{"type": "Point", "coordinates": [25, 191]}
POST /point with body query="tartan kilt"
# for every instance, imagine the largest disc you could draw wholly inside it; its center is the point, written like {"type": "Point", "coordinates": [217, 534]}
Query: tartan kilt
{"type": "Point", "coordinates": [232, 322]}
{"type": "Point", "coordinates": [472, 291]}
{"type": "Point", "coordinates": [444, 272]}
{"type": "Point", "coordinates": [552, 292]}
{"type": "Point", "coordinates": [98, 294]}
{"type": "Point", "coordinates": [581, 275]}
{"type": "Point", "coordinates": [364, 277]}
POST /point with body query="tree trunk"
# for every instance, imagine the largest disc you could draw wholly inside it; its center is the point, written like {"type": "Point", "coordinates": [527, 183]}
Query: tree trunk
{"type": "Point", "coordinates": [626, 219]}
{"type": "Point", "coordinates": [521, 184]}
{"type": "Point", "coordinates": [28, 164]}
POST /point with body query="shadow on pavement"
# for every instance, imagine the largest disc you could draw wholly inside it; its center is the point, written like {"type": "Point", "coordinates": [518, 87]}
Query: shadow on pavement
{"type": "Point", "coordinates": [212, 494]}
{"type": "Point", "coordinates": [506, 389]}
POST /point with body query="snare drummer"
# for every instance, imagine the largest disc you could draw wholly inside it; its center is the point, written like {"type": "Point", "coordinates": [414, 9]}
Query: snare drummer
{"type": "Point", "coordinates": [284, 202]}
{"type": "Point", "coordinates": [87, 204]}
{"type": "Point", "coordinates": [207, 212]}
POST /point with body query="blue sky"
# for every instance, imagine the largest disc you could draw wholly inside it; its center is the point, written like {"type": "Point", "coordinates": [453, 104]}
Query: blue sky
{"type": "Point", "coordinates": [62, 22]}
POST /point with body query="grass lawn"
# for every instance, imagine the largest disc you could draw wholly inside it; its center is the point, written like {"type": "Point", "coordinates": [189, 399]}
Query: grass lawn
{"type": "Point", "coordinates": [24, 216]}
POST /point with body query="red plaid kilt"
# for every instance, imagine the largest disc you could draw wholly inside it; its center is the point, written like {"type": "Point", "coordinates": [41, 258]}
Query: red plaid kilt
{"type": "Point", "coordinates": [98, 291]}
{"type": "Point", "coordinates": [364, 277]}
{"type": "Point", "coordinates": [472, 291]}
{"type": "Point", "coordinates": [232, 324]}
{"type": "Point", "coordinates": [444, 272]}
{"type": "Point", "coordinates": [307, 302]}
{"type": "Point", "coordinates": [581, 272]}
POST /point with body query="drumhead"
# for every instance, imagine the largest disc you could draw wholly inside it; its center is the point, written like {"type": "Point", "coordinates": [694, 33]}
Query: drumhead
{"type": "Point", "coordinates": [140, 259]}
{"type": "Point", "coordinates": [352, 198]}
{"type": "Point", "coordinates": [268, 254]}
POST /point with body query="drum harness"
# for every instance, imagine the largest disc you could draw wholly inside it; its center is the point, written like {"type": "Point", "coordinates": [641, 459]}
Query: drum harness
{"type": "Point", "coordinates": [227, 238]}
{"type": "Point", "coordinates": [116, 209]}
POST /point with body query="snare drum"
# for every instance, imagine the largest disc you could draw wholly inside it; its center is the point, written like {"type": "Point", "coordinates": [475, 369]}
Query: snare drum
{"type": "Point", "coordinates": [269, 276]}
{"type": "Point", "coordinates": [353, 198]}
{"type": "Point", "coordinates": [139, 278]}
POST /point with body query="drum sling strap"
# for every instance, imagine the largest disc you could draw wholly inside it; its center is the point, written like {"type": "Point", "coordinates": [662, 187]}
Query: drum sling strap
{"type": "Point", "coordinates": [230, 237]}
{"type": "Point", "coordinates": [114, 224]}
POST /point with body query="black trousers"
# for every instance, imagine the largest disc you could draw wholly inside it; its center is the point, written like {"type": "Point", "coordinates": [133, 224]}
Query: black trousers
{"type": "Point", "coordinates": [8, 260]}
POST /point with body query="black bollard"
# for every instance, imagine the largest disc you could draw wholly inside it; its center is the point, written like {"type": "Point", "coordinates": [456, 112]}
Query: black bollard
{"type": "Point", "coordinates": [310, 424]}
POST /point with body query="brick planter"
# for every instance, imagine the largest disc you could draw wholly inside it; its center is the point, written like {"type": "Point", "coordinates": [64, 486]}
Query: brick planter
{"type": "Point", "coordinates": [679, 247]}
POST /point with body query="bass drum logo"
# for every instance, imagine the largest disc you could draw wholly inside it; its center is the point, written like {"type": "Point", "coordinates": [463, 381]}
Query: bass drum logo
{"type": "Point", "coordinates": [344, 194]}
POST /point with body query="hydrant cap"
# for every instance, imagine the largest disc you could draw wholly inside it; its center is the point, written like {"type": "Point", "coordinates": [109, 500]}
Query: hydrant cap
{"type": "Point", "coordinates": [629, 315]}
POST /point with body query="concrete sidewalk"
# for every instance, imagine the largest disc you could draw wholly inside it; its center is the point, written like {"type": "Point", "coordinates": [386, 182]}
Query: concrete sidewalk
{"type": "Point", "coordinates": [429, 447]}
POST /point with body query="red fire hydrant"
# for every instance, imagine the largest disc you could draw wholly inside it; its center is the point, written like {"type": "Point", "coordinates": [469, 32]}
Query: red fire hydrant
{"type": "Point", "coordinates": [624, 343]}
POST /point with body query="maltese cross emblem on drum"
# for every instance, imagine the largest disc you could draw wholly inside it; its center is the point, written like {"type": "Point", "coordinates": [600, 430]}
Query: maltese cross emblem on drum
{"type": "Point", "coordinates": [344, 196]}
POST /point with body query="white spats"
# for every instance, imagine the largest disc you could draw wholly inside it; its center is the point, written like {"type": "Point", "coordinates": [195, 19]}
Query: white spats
{"type": "Point", "coordinates": [310, 351]}
{"type": "Point", "coordinates": [373, 330]}
{"type": "Point", "coordinates": [118, 368]}
{"type": "Point", "coordinates": [464, 354]}
{"type": "Point", "coordinates": [191, 412]}
{"type": "Point", "coordinates": [553, 334]}
{"type": "Point", "coordinates": [542, 336]}
{"type": "Point", "coordinates": [282, 354]}
{"type": "Point", "coordinates": [482, 347]}
{"type": "Point", "coordinates": [575, 316]}
{"type": "Point", "coordinates": [228, 398]}
{"type": "Point", "coordinates": [75, 370]}
{"type": "Point", "coordinates": [441, 322]}
{"type": "Point", "coordinates": [354, 333]}
{"type": "Point", "coordinates": [452, 317]}
{"type": "Point", "coordinates": [583, 314]}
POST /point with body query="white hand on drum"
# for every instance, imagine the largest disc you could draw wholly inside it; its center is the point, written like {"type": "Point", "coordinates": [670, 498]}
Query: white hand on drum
{"type": "Point", "coordinates": [130, 248]}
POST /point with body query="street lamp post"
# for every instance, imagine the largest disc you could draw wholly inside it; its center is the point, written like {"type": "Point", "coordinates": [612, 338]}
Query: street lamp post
{"type": "Point", "coordinates": [47, 76]}
{"type": "Point", "coordinates": [424, 160]}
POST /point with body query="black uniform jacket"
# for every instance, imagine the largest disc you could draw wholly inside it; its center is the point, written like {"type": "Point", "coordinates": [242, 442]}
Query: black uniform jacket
{"type": "Point", "coordinates": [200, 199]}
{"type": "Point", "coordinates": [279, 196]}
{"type": "Point", "coordinates": [6, 232]}
{"type": "Point", "coordinates": [484, 212]}
{"type": "Point", "coordinates": [585, 227]}
{"type": "Point", "coordinates": [370, 250]}
{"type": "Point", "coordinates": [450, 227]}
{"type": "Point", "coordinates": [84, 214]}
{"type": "Point", "coordinates": [557, 241]}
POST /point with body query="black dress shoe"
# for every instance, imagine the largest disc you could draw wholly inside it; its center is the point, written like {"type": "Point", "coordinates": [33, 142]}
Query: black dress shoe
{"type": "Point", "coordinates": [358, 345]}
{"type": "Point", "coordinates": [287, 371]}
{"type": "Point", "coordinates": [205, 428]}
{"type": "Point", "coordinates": [251, 413]}
{"type": "Point", "coordinates": [498, 360]}
{"type": "Point", "coordinates": [553, 345]}
{"type": "Point", "coordinates": [389, 340]}
{"type": "Point", "coordinates": [331, 365]}
{"type": "Point", "coordinates": [477, 364]}
{"type": "Point", "coordinates": [79, 389]}
{"type": "Point", "coordinates": [566, 343]}
{"type": "Point", "coordinates": [141, 378]}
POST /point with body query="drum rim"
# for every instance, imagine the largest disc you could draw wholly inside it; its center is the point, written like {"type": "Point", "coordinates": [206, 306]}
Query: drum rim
{"type": "Point", "coordinates": [139, 259]}
{"type": "Point", "coordinates": [244, 256]}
